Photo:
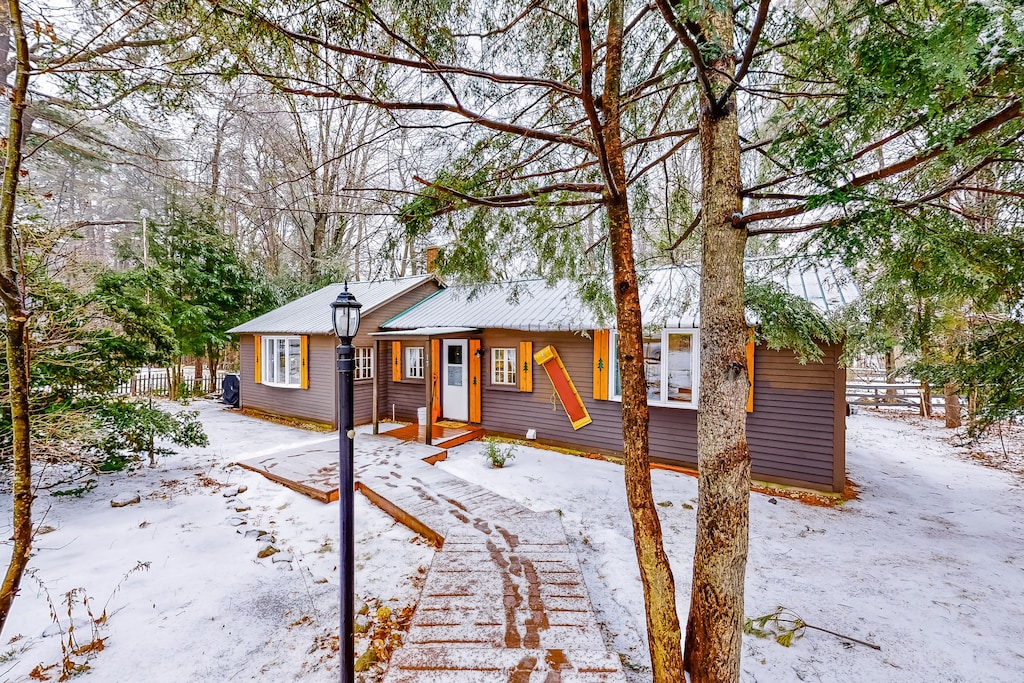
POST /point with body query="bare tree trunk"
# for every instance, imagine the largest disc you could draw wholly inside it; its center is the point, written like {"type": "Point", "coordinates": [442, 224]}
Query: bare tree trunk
{"type": "Point", "coordinates": [926, 399]}
{"type": "Point", "coordinates": [714, 626]}
{"type": "Point", "coordinates": [663, 630]}
{"type": "Point", "coordinates": [951, 391]}
{"type": "Point", "coordinates": [17, 321]}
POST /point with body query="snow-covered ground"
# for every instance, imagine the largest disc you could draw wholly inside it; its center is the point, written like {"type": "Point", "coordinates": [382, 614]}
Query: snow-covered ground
{"type": "Point", "coordinates": [928, 563]}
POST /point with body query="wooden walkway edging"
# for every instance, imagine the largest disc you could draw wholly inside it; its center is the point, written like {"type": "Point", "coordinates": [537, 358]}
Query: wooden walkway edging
{"type": "Point", "coordinates": [504, 600]}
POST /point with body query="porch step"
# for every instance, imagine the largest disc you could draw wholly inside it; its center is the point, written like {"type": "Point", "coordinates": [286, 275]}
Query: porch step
{"type": "Point", "coordinates": [472, 434]}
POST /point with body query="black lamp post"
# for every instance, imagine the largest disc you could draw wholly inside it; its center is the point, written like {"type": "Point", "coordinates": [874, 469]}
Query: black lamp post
{"type": "Point", "coordinates": [345, 315]}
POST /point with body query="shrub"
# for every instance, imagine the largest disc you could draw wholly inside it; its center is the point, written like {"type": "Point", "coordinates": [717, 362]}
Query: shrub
{"type": "Point", "coordinates": [497, 452]}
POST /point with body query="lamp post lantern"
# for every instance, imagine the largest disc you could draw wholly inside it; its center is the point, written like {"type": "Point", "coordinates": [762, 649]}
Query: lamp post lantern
{"type": "Point", "coordinates": [345, 316]}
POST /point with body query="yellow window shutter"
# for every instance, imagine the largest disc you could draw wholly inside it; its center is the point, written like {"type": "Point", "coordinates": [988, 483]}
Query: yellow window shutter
{"type": "Point", "coordinates": [475, 395]}
{"type": "Point", "coordinates": [601, 365]}
{"type": "Point", "coordinates": [435, 377]}
{"type": "Point", "coordinates": [396, 361]}
{"type": "Point", "coordinates": [750, 371]}
{"type": "Point", "coordinates": [525, 366]}
{"type": "Point", "coordinates": [304, 362]}
{"type": "Point", "coordinates": [258, 356]}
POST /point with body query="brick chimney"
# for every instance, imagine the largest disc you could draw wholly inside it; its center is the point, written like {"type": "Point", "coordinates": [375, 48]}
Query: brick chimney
{"type": "Point", "coordinates": [432, 259]}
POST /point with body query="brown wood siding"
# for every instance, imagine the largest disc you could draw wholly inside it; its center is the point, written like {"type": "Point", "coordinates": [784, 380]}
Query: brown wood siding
{"type": "Point", "coordinates": [792, 432]}
{"type": "Point", "coordinates": [317, 403]}
{"type": "Point", "coordinates": [509, 411]}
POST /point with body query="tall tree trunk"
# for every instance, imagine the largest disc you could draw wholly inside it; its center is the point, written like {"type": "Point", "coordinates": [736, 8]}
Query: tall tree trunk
{"type": "Point", "coordinates": [714, 626]}
{"type": "Point", "coordinates": [17, 321]}
{"type": "Point", "coordinates": [952, 396]}
{"type": "Point", "coordinates": [663, 630]}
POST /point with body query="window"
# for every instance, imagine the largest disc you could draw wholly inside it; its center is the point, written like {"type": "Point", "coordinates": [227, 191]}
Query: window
{"type": "Point", "coordinates": [503, 366]}
{"type": "Point", "coordinates": [282, 361]}
{"type": "Point", "coordinates": [364, 363]}
{"type": "Point", "coordinates": [414, 362]}
{"type": "Point", "coordinates": [671, 365]}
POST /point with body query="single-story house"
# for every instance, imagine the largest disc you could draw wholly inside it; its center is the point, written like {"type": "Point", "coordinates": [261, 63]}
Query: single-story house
{"type": "Point", "coordinates": [288, 359]}
{"type": "Point", "coordinates": [527, 359]}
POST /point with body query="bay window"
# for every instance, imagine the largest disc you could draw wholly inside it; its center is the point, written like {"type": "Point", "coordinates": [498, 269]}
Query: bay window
{"type": "Point", "coordinates": [282, 361]}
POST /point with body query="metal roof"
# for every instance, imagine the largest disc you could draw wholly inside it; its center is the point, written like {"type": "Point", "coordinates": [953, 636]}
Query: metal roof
{"type": "Point", "coordinates": [521, 305]}
{"type": "Point", "coordinates": [311, 314]}
{"type": "Point", "coordinates": [669, 297]}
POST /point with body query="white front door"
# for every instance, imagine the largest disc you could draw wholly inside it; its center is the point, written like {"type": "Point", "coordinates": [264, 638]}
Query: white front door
{"type": "Point", "coordinates": [455, 385]}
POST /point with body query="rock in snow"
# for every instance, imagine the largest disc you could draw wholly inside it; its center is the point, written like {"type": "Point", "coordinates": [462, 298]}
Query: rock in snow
{"type": "Point", "coordinates": [125, 499]}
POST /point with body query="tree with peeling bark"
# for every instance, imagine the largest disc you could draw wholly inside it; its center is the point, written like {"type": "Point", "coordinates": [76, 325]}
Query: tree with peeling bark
{"type": "Point", "coordinates": [822, 122]}
{"type": "Point", "coordinates": [533, 144]}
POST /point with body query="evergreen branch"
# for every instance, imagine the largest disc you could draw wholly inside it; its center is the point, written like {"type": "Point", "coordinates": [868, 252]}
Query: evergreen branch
{"type": "Point", "coordinates": [691, 46]}
{"type": "Point", "coordinates": [686, 133]}
{"type": "Point", "coordinates": [686, 233]}
{"type": "Point", "coordinates": [1004, 115]}
{"type": "Point", "coordinates": [748, 54]}
{"type": "Point", "coordinates": [460, 110]}
{"type": "Point", "coordinates": [507, 27]}
{"type": "Point", "coordinates": [672, 150]}
{"type": "Point", "coordinates": [416, 64]}
{"type": "Point", "coordinates": [521, 199]}
{"type": "Point", "coordinates": [989, 190]}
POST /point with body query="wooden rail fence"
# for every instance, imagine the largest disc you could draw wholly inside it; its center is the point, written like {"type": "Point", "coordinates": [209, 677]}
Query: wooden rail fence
{"type": "Point", "coordinates": [882, 395]}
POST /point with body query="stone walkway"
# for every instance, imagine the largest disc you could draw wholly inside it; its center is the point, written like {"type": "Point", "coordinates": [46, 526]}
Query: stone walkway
{"type": "Point", "coordinates": [504, 600]}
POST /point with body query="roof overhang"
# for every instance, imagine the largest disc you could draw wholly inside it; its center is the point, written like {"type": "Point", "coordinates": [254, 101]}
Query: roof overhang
{"type": "Point", "coordinates": [428, 332]}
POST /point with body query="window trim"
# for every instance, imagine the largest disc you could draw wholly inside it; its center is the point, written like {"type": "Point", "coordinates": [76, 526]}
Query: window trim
{"type": "Point", "coordinates": [357, 369]}
{"type": "Point", "coordinates": [663, 402]}
{"type": "Point", "coordinates": [269, 358]}
{"type": "Point", "coordinates": [410, 365]}
{"type": "Point", "coordinates": [511, 376]}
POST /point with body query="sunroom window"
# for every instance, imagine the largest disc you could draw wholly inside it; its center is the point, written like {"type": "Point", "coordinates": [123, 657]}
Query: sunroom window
{"type": "Point", "coordinates": [671, 366]}
{"type": "Point", "coordinates": [282, 361]}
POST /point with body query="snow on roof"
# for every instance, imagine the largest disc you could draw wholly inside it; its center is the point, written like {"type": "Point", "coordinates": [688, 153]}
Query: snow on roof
{"type": "Point", "coordinates": [311, 314]}
{"type": "Point", "coordinates": [669, 297]}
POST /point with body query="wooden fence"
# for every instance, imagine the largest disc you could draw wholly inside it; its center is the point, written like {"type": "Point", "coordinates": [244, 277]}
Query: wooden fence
{"type": "Point", "coordinates": [891, 395]}
{"type": "Point", "coordinates": [159, 385]}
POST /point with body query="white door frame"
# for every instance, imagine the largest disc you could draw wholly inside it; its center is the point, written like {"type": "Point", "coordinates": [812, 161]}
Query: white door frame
{"type": "Point", "coordinates": [455, 379]}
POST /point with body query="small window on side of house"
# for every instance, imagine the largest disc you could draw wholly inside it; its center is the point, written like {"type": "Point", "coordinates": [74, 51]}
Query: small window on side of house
{"type": "Point", "coordinates": [414, 362]}
{"type": "Point", "coordinates": [503, 366]}
{"type": "Point", "coordinates": [364, 362]}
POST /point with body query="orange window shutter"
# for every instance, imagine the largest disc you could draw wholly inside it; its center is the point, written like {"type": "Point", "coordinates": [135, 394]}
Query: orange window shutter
{"type": "Point", "coordinates": [396, 361]}
{"type": "Point", "coordinates": [435, 379]}
{"type": "Point", "coordinates": [750, 372]}
{"type": "Point", "coordinates": [548, 359]}
{"type": "Point", "coordinates": [258, 356]}
{"type": "Point", "coordinates": [475, 394]}
{"type": "Point", "coordinates": [525, 369]}
{"type": "Point", "coordinates": [304, 362]}
{"type": "Point", "coordinates": [601, 365]}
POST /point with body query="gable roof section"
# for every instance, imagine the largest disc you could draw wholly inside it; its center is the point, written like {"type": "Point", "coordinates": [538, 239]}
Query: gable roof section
{"type": "Point", "coordinates": [669, 297]}
{"type": "Point", "coordinates": [520, 305]}
{"type": "Point", "coordinates": [311, 314]}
